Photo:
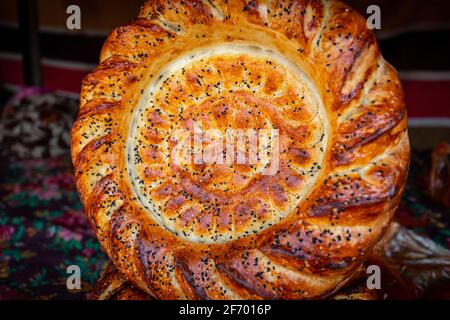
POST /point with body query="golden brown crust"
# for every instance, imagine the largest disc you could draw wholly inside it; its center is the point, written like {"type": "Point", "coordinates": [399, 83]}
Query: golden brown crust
{"type": "Point", "coordinates": [310, 69]}
{"type": "Point", "coordinates": [113, 286]}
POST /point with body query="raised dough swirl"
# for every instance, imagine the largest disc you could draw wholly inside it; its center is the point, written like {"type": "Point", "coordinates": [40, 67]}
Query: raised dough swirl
{"type": "Point", "coordinates": [308, 71]}
{"type": "Point", "coordinates": [226, 88]}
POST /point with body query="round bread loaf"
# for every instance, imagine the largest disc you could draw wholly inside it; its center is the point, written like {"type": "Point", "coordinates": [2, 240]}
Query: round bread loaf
{"type": "Point", "coordinates": [241, 149]}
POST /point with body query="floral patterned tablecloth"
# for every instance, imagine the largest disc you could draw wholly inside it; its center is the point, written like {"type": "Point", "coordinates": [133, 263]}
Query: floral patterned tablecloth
{"type": "Point", "coordinates": [43, 228]}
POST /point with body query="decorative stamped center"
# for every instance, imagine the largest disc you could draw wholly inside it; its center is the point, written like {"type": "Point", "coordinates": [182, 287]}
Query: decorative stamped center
{"type": "Point", "coordinates": [226, 142]}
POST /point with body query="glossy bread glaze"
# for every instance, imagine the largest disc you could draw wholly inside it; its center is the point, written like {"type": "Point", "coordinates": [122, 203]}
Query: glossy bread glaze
{"type": "Point", "coordinates": [222, 87]}
{"type": "Point", "coordinates": [311, 72]}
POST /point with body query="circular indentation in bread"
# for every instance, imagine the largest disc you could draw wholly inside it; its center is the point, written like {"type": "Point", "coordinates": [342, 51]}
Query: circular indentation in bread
{"type": "Point", "coordinates": [226, 141]}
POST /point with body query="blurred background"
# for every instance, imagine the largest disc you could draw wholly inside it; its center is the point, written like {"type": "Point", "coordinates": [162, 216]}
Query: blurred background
{"type": "Point", "coordinates": [42, 225]}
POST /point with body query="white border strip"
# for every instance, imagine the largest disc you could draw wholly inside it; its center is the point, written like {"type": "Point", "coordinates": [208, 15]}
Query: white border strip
{"type": "Point", "coordinates": [419, 27]}
{"type": "Point", "coordinates": [418, 75]}
{"type": "Point", "coordinates": [75, 65]}
{"type": "Point", "coordinates": [381, 34]}
{"type": "Point", "coordinates": [421, 75]}
{"type": "Point", "coordinates": [15, 88]}
{"type": "Point", "coordinates": [62, 30]}
{"type": "Point", "coordinates": [429, 122]}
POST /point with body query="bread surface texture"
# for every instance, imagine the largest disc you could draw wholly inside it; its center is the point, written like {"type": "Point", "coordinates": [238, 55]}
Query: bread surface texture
{"type": "Point", "coordinates": [303, 78]}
